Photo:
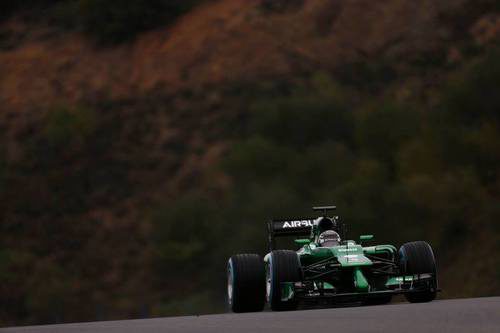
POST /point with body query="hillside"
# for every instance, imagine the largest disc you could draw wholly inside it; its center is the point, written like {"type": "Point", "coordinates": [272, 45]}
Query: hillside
{"type": "Point", "coordinates": [112, 156]}
{"type": "Point", "coordinates": [234, 41]}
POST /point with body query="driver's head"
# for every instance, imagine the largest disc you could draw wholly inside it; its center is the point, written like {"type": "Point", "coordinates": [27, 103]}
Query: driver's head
{"type": "Point", "coordinates": [328, 238]}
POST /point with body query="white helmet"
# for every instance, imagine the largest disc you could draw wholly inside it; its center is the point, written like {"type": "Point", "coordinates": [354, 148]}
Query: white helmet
{"type": "Point", "coordinates": [328, 238]}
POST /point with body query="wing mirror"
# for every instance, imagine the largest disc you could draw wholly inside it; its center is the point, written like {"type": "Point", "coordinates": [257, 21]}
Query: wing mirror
{"type": "Point", "coordinates": [365, 238]}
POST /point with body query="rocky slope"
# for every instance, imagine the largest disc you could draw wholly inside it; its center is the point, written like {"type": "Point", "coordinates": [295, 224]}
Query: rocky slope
{"type": "Point", "coordinates": [93, 137]}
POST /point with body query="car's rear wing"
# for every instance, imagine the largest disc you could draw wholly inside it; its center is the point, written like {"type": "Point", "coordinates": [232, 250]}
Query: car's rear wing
{"type": "Point", "coordinates": [290, 227]}
{"type": "Point", "coordinates": [298, 227]}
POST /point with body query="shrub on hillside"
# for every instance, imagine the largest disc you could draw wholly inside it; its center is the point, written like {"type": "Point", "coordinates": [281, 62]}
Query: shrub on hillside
{"type": "Point", "coordinates": [279, 5]}
{"type": "Point", "coordinates": [116, 21]}
{"type": "Point", "coordinates": [106, 21]}
{"type": "Point", "coordinates": [312, 115]}
{"type": "Point", "coordinates": [8, 7]}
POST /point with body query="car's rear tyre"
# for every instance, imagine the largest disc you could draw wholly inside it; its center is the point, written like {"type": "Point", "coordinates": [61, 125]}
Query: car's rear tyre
{"type": "Point", "coordinates": [246, 283]}
{"type": "Point", "coordinates": [283, 266]}
{"type": "Point", "coordinates": [418, 258]}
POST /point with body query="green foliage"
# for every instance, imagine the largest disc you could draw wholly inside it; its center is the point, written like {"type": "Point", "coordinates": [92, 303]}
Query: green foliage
{"type": "Point", "coordinates": [4, 264]}
{"type": "Point", "coordinates": [66, 127]}
{"type": "Point", "coordinates": [3, 168]}
{"type": "Point", "coordinates": [383, 128]}
{"type": "Point", "coordinates": [257, 158]}
{"type": "Point", "coordinates": [464, 127]}
{"type": "Point", "coordinates": [189, 220]}
{"type": "Point", "coordinates": [394, 170]}
{"type": "Point", "coordinates": [49, 290]}
{"type": "Point", "coordinates": [471, 95]}
{"type": "Point", "coordinates": [8, 7]}
{"type": "Point", "coordinates": [304, 119]}
{"type": "Point", "coordinates": [278, 6]}
{"type": "Point", "coordinates": [401, 172]}
{"type": "Point", "coordinates": [366, 75]}
{"type": "Point", "coordinates": [67, 164]}
{"type": "Point", "coordinates": [63, 168]}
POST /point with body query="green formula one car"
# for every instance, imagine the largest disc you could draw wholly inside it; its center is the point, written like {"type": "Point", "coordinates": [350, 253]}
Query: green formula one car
{"type": "Point", "coordinates": [328, 270]}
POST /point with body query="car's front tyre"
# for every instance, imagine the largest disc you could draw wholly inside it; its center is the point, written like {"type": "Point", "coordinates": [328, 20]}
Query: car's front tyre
{"type": "Point", "coordinates": [246, 284]}
{"type": "Point", "coordinates": [418, 258]}
{"type": "Point", "coordinates": [282, 266]}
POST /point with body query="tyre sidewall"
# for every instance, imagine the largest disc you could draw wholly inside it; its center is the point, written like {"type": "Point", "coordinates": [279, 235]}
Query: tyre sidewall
{"type": "Point", "coordinates": [230, 275]}
{"type": "Point", "coordinates": [245, 283]}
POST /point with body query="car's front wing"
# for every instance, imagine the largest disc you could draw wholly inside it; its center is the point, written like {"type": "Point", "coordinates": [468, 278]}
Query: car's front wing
{"type": "Point", "coordinates": [309, 292]}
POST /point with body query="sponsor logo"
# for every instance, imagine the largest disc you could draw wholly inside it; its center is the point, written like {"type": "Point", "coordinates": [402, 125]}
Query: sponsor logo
{"type": "Point", "coordinates": [297, 224]}
{"type": "Point", "coordinates": [414, 277]}
{"type": "Point", "coordinates": [352, 257]}
{"type": "Point", "coordinates": [408, 278]}
{"type": "Point", "coordinates": [348, 250]}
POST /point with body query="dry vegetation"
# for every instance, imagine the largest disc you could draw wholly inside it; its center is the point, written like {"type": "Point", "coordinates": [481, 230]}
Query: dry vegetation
{"type": "Point", "coordinates": [115, 153]}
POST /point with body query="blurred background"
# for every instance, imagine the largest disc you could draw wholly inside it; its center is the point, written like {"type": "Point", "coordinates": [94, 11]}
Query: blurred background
{"type": "Point", "coordinates": [142, 142]}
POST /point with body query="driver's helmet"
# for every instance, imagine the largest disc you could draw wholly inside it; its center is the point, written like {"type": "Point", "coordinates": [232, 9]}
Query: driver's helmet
{"type": "Point", "coordinates": [328, 238]}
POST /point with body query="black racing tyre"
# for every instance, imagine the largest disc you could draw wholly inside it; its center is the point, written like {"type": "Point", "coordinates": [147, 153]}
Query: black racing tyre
{"type": "Point", "coordinates": [246, 283]}
{"type": "Point", "coordinates": [283, 266]}
{"type": "Point", "coordinates": [418, 258]}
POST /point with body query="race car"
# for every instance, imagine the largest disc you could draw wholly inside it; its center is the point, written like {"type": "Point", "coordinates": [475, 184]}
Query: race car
{"type": "Point", "coordinates": [328, 269]}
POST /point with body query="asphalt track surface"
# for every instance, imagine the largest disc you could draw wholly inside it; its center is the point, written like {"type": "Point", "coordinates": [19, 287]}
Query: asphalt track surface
{"type": "Point", "coordinates": [459, 315]}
